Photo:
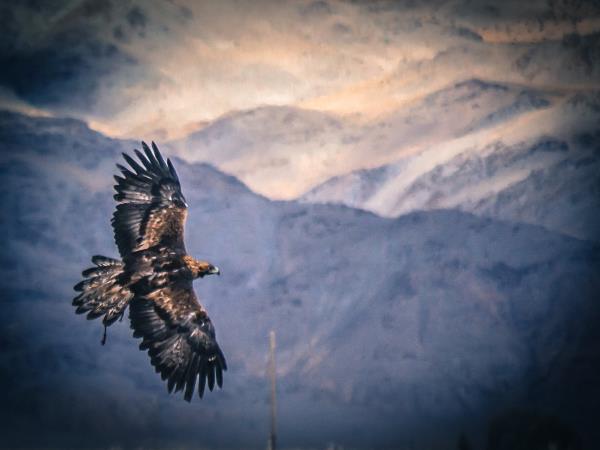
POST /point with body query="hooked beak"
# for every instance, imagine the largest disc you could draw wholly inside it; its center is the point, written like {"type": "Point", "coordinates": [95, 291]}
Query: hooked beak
{"type": "Point", "coordinates": [214, 270]}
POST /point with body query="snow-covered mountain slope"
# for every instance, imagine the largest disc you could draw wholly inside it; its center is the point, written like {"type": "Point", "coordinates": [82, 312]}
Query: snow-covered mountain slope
{"type": "Point", "coordinates": [391, 332]}
{"type": "Point", "coordinates": [284, 151]}
{"type": "Point", "coordinates": [542, 168]}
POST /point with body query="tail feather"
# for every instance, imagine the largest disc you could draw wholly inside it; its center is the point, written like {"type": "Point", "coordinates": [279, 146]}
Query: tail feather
{"type": "Point", "coordinates": [105, 261]}
{"type": "Point", "coordinates": [101, 292]}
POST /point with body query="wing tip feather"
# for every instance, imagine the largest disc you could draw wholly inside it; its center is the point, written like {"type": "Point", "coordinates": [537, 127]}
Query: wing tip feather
{"type": "Point", "coordinates": [189, 368]}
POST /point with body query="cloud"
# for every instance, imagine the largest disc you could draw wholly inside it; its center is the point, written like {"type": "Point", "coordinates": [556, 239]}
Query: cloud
{"type": "Point", "coordinates": [136, 18]}
{"type": "Point", "coordinates": [467, 34]}
{"type": "Point", "coordinates": [69, 72]}
{"type": "Point", "coordinates": [316, 8]}
{"type": "Point", "coordinates": [66, 64]}
{"type": "Point", "coordinates": [127, 65]}
{"type": "Point", "coordinates": [162, 69]}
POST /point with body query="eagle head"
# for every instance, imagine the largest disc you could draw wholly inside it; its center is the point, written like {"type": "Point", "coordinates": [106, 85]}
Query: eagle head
{"type": "Point", "coordinates": [200, 268]}
{"type": "Point", "coordinates": [212, 270]}
{"type": "Point", "coordinates": [204, 268]}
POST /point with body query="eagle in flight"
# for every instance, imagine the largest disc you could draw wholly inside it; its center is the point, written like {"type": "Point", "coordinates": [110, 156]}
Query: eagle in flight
{"type": "Point", "coordinates": [154, 277]}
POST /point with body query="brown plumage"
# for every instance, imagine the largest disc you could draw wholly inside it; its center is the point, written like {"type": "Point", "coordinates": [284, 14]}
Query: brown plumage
{"type": "Point", "coordinates": [155, 277]}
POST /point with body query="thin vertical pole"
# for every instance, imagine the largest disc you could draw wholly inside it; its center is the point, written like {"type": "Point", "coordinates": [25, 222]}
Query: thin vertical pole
{"type": "Point", "coordinates": [272, 370]}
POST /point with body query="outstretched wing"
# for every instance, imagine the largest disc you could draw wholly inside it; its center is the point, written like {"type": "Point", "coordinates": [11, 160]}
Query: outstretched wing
{"type": "Point", "coordinates": [179, 337]}
{"type": "Point", "coordinates": [151, 209]}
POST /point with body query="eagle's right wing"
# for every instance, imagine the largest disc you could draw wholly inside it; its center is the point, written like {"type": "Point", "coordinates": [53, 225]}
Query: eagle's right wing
{"type": "Point", "coordinates": [179, 337]}
{"type": "Point", "coordinates": [151, 209]}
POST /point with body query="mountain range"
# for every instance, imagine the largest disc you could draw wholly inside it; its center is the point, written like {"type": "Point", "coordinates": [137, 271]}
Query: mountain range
{"type": "Point", "coordinates": [283, 151]}
{"type": "Point", "coordinates": [392, 332]}
{"type": "Point", "coordinates": [536, 161]}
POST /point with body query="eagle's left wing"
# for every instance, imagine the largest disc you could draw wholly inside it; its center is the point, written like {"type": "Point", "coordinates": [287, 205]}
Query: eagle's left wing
{"type": "Point", "coordinates": [179, 337]}
{"type": "Point", "coordinates": [151, 209]}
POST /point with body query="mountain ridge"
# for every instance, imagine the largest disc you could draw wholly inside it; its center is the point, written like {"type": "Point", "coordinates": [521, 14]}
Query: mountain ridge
{"type": "Point", "coordinates": [281, 151]}
{"type": "Point", "coordinates": [510, 175]}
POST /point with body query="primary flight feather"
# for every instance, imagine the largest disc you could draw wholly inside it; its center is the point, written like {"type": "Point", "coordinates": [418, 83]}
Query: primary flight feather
{"type": "Point", "coordinates": [154, 277]}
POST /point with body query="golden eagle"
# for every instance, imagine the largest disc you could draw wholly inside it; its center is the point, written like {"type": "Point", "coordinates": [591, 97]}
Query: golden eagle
{"type": "Point", "coordinates": [154, 277]}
